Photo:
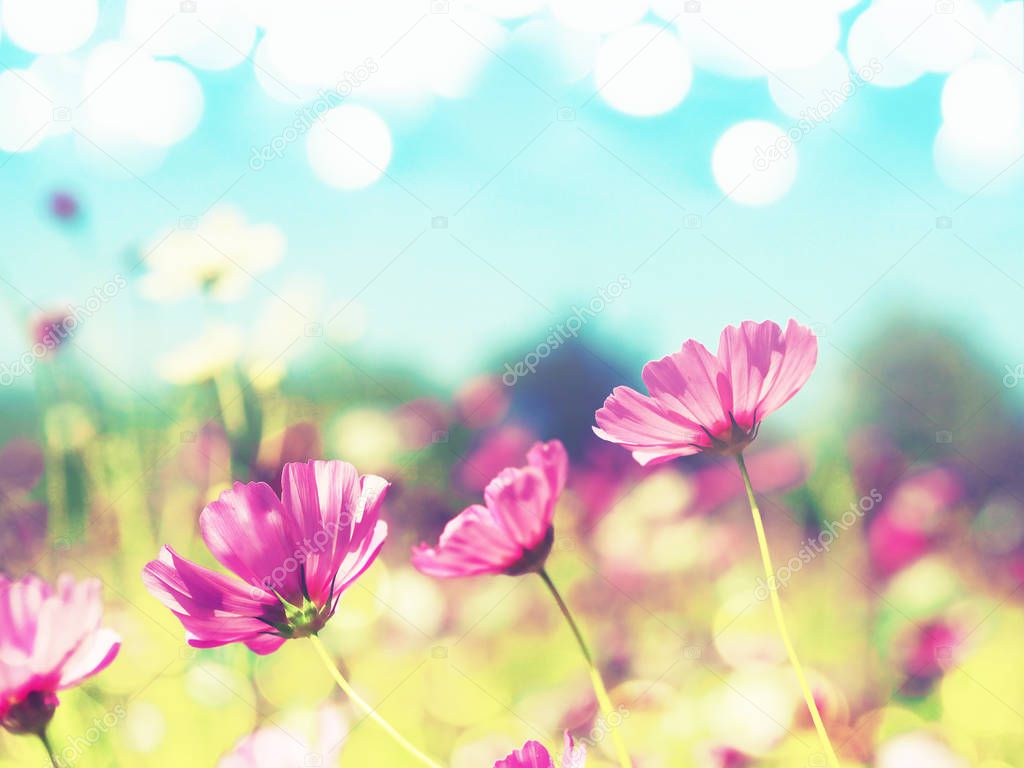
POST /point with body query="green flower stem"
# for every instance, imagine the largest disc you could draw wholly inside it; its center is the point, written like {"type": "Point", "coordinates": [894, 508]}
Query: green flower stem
{"type": "Point", "coordinates": [370, 711]}
{"type": "Point", "coordinates": [780, 621]}
{"type": "Point", "coordinates": [49, 749]}
{"type": "Point", "coordinates": [603, 700]}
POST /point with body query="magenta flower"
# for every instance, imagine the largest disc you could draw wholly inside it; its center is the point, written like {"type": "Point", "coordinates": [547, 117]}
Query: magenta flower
{"type": "Point", "coordinates": [511, 532]}
{"type": "Point", "coordinates": [64, 205]}
{"type": "Point", "coordinates": [703, 402]}
{"type": "Point", "coordinates": [534, 755]}
{"type": "Point", "coordinates": [294, 555]}
{"type": "Point", "coordinates": [50, 640]}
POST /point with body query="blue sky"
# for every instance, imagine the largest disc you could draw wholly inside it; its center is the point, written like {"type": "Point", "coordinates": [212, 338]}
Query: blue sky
{"type": "Point", "coordinates": [541, 213]}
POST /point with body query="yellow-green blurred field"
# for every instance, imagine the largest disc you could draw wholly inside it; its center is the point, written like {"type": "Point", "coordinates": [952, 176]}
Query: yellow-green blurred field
{"type": "Point", "coordinates": [910, 619]}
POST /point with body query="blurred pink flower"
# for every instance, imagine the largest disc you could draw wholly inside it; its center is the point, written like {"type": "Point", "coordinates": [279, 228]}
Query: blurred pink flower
{"type": "Point", "coordinates": [534, 755]}
{"type": "Point", "coordinates": [482, 401]}
{"type": "Point", "coordinates": [911, 517]}
{"type": "Point", "coordinates": [205, 457]}
{"type": "Point", "coordinates": [21, 467]}
{"type": "Point", "coordinates": [876, 462]}
{"type": "Point", "coordinates": [423, 421]}
{"type": "Point", "coordinates": [298, 442]}
{"type": "Point", "coordinates": [64, 205]}
{"type": "Point", "coordinates": [275, 747]}
{"type": "Point", "coordinates": [511, 532]}
{"type": "Point", "coordinates": [295, 555]}
{"type": "Point", "coordinates": [497, 450]}
{"type": "Point", "coordinates": [728, 757]}
{"type": "Point", "coordinates": [931, 649]}
{"type": "Point", "coordinates": [50, 640]}
{"type": "Point", "coordinates": [702, 402]}
{"type": "Point", "coordinates": [24, 519]}
{"type": "Point", "coordinates": [774, 469]}
{"type": "Point", "coordinates": [52, 329]}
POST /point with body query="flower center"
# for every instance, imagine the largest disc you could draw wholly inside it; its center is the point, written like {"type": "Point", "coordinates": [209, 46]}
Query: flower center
{"type": "Point", "coordinates": [30, 714]}
{"type": "Point", "coordinates": [306, 619]}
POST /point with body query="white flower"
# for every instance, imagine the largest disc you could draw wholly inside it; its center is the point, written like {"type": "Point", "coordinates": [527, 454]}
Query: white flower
{"type": "Point", "coordinates": [219, 257]}
{"type": "Point", "coordinates": [217, 348]}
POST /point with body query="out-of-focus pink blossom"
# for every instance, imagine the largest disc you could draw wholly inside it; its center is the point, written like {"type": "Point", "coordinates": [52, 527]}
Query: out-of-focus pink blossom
{"type": "Point", "coordinates": [64, 206]}
{"type": "Point", "coordinates": [772, 470]}
{"type": "Point", "coordinates": [728, 757]}
{"type": "Point", "coordinates": [423, 421]}
{"type": "Point", "coordinates": [50, 640]}
{"type": "Point", "coordinates": [23, 525]}
{"type": "Point", "coordinates": [299, 442]}
{"type": "Point", "coordinates": [931, 649]}
{"type": "Point", "coordinates": [482, 401]}
{"type": "Point", "coordinates": [497, 450]}
{"type": "Point", "coordinates": [875, 460]}
{"type": "Point", "coordinates": [702, 402]}
{"type": "Point", "coordinates": [911, 517]}
{"type": "Point", "coordinates": [52, 329]}
{"type": "Point", "coordinates": [274, 746]}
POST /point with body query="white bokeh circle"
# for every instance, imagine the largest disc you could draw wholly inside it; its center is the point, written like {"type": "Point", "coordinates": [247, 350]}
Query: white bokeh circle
{"type": "Point", "coordinates": [598, 15]}
{"type": "Point", "coordinates": [754, 163]}
{"type": "Point", "coordinates": [350, 147]}
{"type": "Point", "coordinates": [49, 26]}
{"type": "Point", "coordinates": [643, 70]}
{"type": "Point", "coordinates": [807, 89]}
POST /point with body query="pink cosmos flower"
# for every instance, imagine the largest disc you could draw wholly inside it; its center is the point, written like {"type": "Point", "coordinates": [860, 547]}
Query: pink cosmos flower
{"type": "Point", "coordinates": [534, 755]}
{"type": "Point", "coordinates": [294, 555]}
{"type": "Point", "coordinates": [703, 402]}
{"type": "Point", "coordinates": [50, 640]}
{"type": "Point", "coordinates": [511, 532]}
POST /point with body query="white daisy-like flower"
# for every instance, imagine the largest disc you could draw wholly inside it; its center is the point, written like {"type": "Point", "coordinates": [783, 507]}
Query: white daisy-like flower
{"type": "Point", "coordinates": [220, 256]}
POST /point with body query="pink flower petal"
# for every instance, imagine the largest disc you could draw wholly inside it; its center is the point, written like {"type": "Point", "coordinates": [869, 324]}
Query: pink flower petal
{"type": "Point", "coordinates": [793, 368]}
{"type": "Point", "coordinates": [472, 543]}
{"type": "Point", "coordinates": [214, 609]}
{"type": "Point", "coordinates": [94, 655]}
{"type": "Point", "coordinates": [532, 755]}
{"type": "Point", "coordinates": [640, 424]}
{"type": "Point", "coordinates": [551, 459]}
{"type": "Point", "coordinates": [520, 501]}
{"type": "Point", "coordinates": [703, 402]}
{"type": "Point", "coordinates": [512, 531]}
{"type": "Point", "coordinates": [691, 384]}
{"type": "Point", "coordinates": [247, 531]}
{"type": "Point", "coordinates": [747, 354]}
{"type": "Point", "coordinates": [50, 637]}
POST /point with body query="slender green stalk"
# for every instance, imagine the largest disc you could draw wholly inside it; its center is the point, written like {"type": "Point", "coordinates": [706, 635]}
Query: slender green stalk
{"type": "Point", "coordinates": [603, 700]}
{"type": "Point", "coordinates": [370, 711]}
{"type": "Point", "coordinates": [780, 621]}
{"type": "Point", "coordinates": [49, 749]}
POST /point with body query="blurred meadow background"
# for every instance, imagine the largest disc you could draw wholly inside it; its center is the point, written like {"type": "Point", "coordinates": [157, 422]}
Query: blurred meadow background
{"type": "Point", "coordinates": [419, 235]}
